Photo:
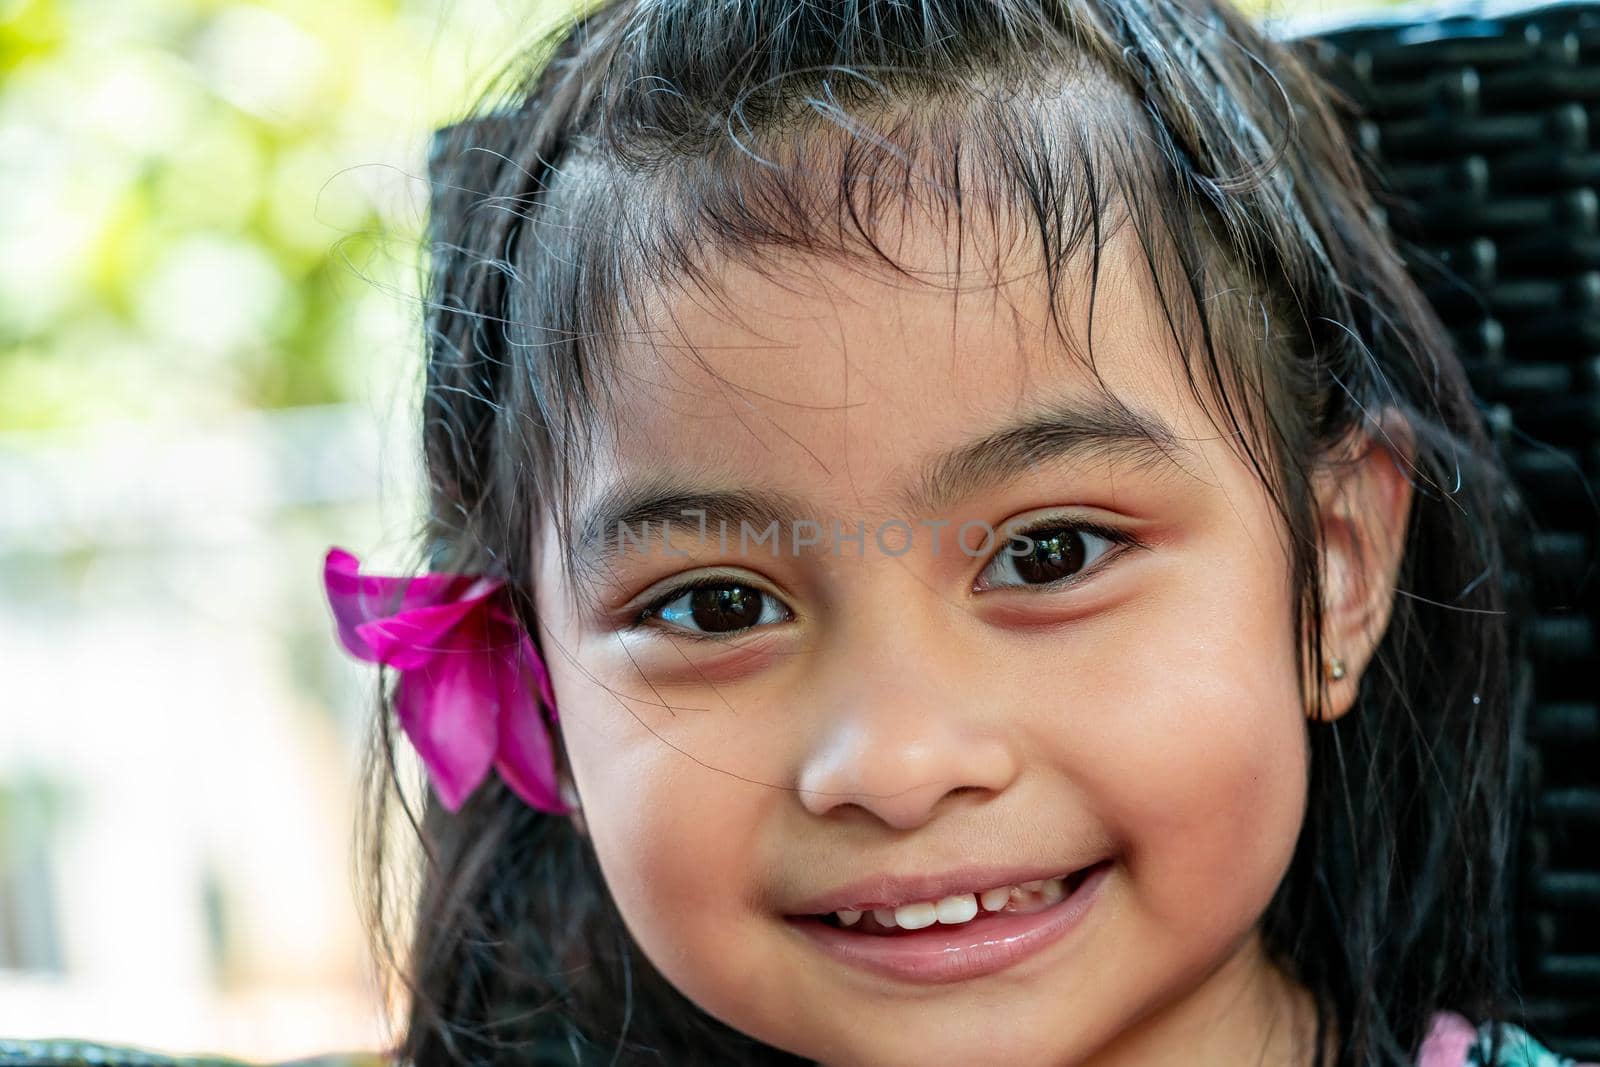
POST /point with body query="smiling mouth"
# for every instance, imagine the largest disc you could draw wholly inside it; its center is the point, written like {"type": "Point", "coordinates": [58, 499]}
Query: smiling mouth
{"type": "Point", "coordinates": [962, 910]}
{"type": "Point", "coordinates": [956, 938]}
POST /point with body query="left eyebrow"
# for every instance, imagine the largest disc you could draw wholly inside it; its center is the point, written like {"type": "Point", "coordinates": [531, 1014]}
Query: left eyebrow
{"type": "Point", "coordinates": [1075, 428]}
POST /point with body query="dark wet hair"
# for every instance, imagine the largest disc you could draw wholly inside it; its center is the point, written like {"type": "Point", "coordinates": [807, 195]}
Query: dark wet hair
{"type": "Point", "coordinates": [655, 141]}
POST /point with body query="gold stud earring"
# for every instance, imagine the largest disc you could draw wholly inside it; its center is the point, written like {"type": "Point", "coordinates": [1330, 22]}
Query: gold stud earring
{"type": "Point", "coordinates": [1335, 669]}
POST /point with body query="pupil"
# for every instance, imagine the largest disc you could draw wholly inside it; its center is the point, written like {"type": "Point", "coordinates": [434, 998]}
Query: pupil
{"type": "Point", "coordinates": [722, 608]}
{"type": "Point", "coordinates": [1055, 555]}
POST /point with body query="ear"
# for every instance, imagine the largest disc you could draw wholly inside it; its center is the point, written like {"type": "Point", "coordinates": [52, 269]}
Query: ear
{"type": "Point", "coordinates": [1363, 494]}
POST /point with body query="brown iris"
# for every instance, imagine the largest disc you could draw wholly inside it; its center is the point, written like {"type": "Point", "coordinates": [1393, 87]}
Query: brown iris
{"type": "Point", "coordinates": [723, 608]}
{"type": "Point", "coordinates": [1055, 554]}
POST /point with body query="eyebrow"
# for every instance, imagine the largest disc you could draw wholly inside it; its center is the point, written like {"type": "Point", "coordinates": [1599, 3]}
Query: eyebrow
{"type": "Point", "coordinates": [1077, 428]}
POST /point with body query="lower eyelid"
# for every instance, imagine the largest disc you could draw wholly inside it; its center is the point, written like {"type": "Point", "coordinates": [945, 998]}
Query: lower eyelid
{"type": "Point", "coordinates": [731, 637]}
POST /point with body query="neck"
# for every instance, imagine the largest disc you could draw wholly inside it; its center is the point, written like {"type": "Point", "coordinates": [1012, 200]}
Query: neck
{"type": "Point", "coordinates": [1247, 1012]}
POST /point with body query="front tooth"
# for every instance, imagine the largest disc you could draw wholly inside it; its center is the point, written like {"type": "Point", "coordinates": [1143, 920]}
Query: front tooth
{"type": "Point", "coordinates": [915, 916]}
{"type": "Point", "coordinates": [1033, 886]}
{"type": "Point", "coordinates": [1054, 889]}
{"type": "Point", "coordinates": [848, 917]}
{"type": "Point", "coordinates": [956, 909]}
{"type": "Point", "coordinates": [995, 899]}
{"type": "Point", "coordinates": [885, 916]}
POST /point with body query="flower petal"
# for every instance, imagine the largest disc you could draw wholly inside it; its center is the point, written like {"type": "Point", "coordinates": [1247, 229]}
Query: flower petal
{"type": "Point", "coordinates": [525, 757]}
{"type": "Point", "coordinates": [411, 638]}
{"type": "Point", "coordinates": [449, 708]}
{"type": "Point", "coordinates": [357, 599]}
{"type": "Point", "coordinates": [508, 631]}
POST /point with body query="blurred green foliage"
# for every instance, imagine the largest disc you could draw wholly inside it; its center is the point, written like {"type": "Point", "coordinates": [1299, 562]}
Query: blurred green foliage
{"type": "Point", "coordinates": [208, 206]}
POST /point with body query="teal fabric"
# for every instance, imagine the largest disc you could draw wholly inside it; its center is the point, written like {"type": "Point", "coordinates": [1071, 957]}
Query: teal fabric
{"type": "Point", "coordinates": [89, 1054]}
{"type": "Point", "coordinates": [1517, 1049]}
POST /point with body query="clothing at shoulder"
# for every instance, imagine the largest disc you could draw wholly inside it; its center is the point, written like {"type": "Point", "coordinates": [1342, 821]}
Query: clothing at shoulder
{"type": "Point", "coordinates": [1452, 1041]}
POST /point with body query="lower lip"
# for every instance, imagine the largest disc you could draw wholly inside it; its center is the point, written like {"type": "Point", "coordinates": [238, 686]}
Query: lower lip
{"type": "Point", "coordinates": [938, 953]}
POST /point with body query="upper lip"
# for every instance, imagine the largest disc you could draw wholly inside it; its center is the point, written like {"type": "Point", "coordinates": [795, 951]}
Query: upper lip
{"type": "Point", "coordinates": [891, 891]}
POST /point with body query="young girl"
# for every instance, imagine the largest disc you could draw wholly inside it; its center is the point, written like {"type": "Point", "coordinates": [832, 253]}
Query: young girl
{"type": "Point", "coordinates": [1015, 557]}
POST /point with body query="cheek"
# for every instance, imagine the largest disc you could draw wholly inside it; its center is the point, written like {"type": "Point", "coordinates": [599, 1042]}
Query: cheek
{"type": "Point", "coordinates": [1198, 758]}
{"type": "Point", "coordinates": [673, 832]}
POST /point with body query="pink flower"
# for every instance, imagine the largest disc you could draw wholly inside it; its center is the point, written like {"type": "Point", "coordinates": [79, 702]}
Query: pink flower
{"type": "Point", "coordinates": [471, 680]}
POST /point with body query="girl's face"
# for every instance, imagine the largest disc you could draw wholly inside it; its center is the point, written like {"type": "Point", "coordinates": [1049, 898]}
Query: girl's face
{"type": "Point", "coordinates": [916, 715]}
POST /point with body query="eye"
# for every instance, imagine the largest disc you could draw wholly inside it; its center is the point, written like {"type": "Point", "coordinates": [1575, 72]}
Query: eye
{"type": "Point", "coordinates": [1050, 553]}
{"type": "Point", "coordinates": [714, 607]}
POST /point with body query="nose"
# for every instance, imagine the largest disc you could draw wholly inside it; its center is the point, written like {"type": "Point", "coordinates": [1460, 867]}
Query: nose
{"type": "Point", "coordinates": [900, 770]}
{"type": "Point", "coordinates": [896, 743]}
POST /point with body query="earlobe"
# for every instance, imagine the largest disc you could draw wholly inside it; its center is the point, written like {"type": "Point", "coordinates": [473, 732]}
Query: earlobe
{"type": "Point", "coordinates": [1364, 503]}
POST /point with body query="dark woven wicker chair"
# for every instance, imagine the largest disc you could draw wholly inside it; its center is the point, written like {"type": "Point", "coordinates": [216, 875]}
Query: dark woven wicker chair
{"type": "Point", "coordinates": [1483, 125]}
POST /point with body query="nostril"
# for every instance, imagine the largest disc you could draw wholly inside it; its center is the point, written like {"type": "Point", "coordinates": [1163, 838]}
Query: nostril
{"type": "Point", "coordinates": [968, 794]}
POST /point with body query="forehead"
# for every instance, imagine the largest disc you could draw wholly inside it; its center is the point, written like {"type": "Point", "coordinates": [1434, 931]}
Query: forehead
{"type": "Point", "coordinates": [831, 382]}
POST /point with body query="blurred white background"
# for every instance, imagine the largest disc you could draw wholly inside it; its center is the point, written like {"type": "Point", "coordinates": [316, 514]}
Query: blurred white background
{"type": "Point", "coordinates": [209, 214]}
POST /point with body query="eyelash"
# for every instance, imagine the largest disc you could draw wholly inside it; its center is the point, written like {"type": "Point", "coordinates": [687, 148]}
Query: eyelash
{"type": "Point", "coordinates": [1121, 540]}
{"type": "Point", "coordinates": [707, 581]}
